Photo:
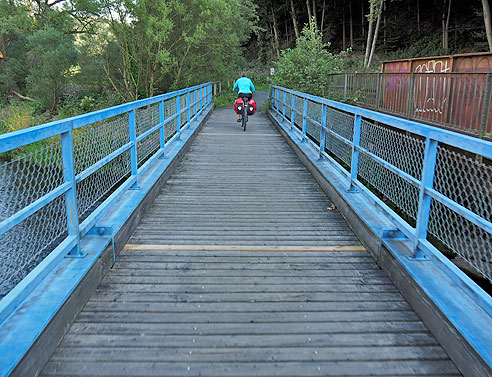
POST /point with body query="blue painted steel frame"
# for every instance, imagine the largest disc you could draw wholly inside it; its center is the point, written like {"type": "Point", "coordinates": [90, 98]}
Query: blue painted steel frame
{"type": "Point", "coordinates": [433, 137]}
{"type": "Point", "coordinates": [65, 127]}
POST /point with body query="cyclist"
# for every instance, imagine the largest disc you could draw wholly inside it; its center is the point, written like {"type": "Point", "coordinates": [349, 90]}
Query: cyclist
{"type": "Point", "coordinates": [245, 88]}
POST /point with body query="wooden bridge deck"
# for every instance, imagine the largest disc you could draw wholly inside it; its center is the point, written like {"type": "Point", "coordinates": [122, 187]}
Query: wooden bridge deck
{"type": "Point", "coordinates": [262, 279]}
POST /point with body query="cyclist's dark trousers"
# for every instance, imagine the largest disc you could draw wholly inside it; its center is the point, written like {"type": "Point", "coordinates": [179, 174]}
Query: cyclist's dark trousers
{"type": "Point", "coordinates": [248, 95]}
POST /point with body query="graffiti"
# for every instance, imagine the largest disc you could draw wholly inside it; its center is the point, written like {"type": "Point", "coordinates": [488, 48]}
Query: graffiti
{"type": "Point", "coordinates": [431, 92]}
{"type": "Point", "coordinates": [433, 66]}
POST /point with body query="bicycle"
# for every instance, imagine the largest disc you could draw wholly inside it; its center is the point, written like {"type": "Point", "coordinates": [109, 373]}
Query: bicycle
{"type": "Point", "coordinates": [244, 117]}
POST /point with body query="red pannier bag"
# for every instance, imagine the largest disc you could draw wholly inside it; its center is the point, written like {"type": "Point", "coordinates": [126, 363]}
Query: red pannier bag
{"type": "Point", "coordinates": [238, 106]}
{"type": "Point", "coordinates": [251, 107]}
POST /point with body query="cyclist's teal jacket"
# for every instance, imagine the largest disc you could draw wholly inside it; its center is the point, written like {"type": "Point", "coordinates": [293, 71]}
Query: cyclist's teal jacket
{"type": "Point", "coordinates": [244, 85]}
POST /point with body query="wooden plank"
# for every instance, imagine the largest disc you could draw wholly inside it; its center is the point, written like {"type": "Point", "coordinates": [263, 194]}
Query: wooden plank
{"type": "Point", "coordinates": [271, 368]}
{"type": "Point", "coordinates": [244, 248]}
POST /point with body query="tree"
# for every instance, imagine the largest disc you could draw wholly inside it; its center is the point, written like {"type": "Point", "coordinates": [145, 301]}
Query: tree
{"type": "Point", "coordinates": [445, 24]}
{"type": "Point", "coordinates": [308, 66]}
{"type": "Point", "coordinates": [486, 19]}
{"type": "Point", "coordinates": [51, 55]}
{"type": "Point", "coordinates": [376, 9]}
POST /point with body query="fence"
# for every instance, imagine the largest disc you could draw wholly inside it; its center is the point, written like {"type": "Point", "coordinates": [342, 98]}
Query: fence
{"type": "Point", "coordinates": [458, 101]}
{"type": "Point", "coordinates": [426, 179]}
{"type": "Point", "coordinates": [69, 172]}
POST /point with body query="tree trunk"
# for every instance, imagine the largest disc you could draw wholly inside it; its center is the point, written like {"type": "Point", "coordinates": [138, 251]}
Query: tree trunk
{"type": "Point", "coordinates": [344, 37]}
{"type": "Point", "coordinates": [486, 19]}
{"type": "Point", "coordinates": [375, 39]}
{"type": "Point", "coordinates": [418, 15]}
{"type": "Point", "coordinates": [445, 25]}
{"type": "Point", "coordinates": [294, 19]}
{"type": "Point", "coordinates": [351, 25]}
{"type": "Point", "coordinates": [369, 32]}
{"type": "Point", "coordinates": [314, 13]}
{"type": "Point", "coordinates": [323, 16]}
{"type": "Point", "coordinates": [362, 23]}
{"type": "Point", "coordinates": [310, 14]}
{"type": "Point", "coordinates": [275, 33]}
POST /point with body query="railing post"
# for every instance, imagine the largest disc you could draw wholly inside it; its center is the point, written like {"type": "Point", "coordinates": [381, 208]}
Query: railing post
{"type": "Point", "coordinates": [283, 104]}
{"type": "Point", "coordinates": [71, 194]}
{"type": "Point", "coordinates": [427, 181]}
{"type": "Point", "coordinates": [188, 106]}
{"type": "Point", "coordinates": [196, 102]}
{"type": "Point", "coordinates": [354, 166]}
{"type": "Point", "coordinates": [345, 86]}
{"type": "Point", "coordinates": [178, 117]}
{"type": "Point", "coordinates": [484, 121]}
{"type": "Point", "coordinates": [278, 100]}
{"type": "Point", "coordinates": [411, 95]}
{"type": "Point", "coordinates": [378, 91]}
{"type": "Point", "coordinates": [201, 99]}
{"type": "Point", "coordinates": [292, 113]}
{"type": "Point", "coordinates": [162, 129]}
{"type": "Point", "coordinates": [272, 98]}
{"type": "Point", "coordinates": [304, 120]}
{"type": "Point", "coordinates": [322, 139]}
{"type": "Point", "coordinates": [133, 149]}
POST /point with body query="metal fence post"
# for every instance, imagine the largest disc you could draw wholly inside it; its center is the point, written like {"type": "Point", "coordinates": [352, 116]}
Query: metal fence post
{"type": "Point", "coordinates": [283, 104]}
{"type": "Point", "coordinates": [378, 91]}
{"type": "Point", "coordinates": [188, 106]}
{"type": "Point", "coordinates": [345, 86]}
{"type": "Point", "coordinates": [428, 170]}
{"type": "Point", "coordinates": [292, 113]}
{"type": "Point", "coordinates": [484, 121]}
{"type": "Point", "coordinates": [162, 129]}
{"type": "Point", "coordinates": [354, 167]}
{"type": "Point", "coordinates": [411, 95]}
{"type": "Point", "coordinates": [322, 139]}
{"type": "Point", "coordinates": [71, 194]}
{"type": "Point", "coordinates": [133, 149]}
{"type": "Point", "coordinates": [196, 102]}
{"type": "Point", "coordinates": [304, 119]}
{"type": "Point", "coordinates": [178, 116]}
{"type": "Point", "coordinates": [278, 100]}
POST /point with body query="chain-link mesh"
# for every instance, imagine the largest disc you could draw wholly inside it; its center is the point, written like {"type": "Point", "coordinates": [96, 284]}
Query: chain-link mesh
{"type": "Point", "coordinates": [314, 112]}
{"type": "Point", "coordinates": [299, 112]}
{"type": "Point", "coordinates": [91, 144]}
{"type": "Point", "coordinates": [468, 182]}
{"type": "Point", "coordinates": [399, 149]}
{"type": "Point", "coordinates": [23, 181]}
{"type": "Point", "coordinates": [342, 124]}
{"type": "Point", "coordinates": [170, 110]}
{"type": "Point", "coordinates": [146, 118]}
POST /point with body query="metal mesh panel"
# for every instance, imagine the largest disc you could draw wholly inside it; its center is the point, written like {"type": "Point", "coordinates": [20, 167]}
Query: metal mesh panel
{"type": "Point", "coordinates": [314, 111]}
{"type": "Point", "coordinates": [403, 194]}
{"type": "Point", "coordinates": [146, 118]}
{"type": "Point", "coordinates": [25, 245]}
{"type": "Point", "coordinates": [27, 178]}
{"type": "Point", "coordinates": [399, 149]}
{"type": "Point", "coordinates": [469, 183]}
{"type": "Point", "coordinates": [298, 116]}
{"type": "Point", "coordinates": [342, 124]}
{"type": "Point", "coordinates": [92, 189]}
{"type": "Point", "coordinates": [288, 106]}
{"type": "Point", "coordinates": [148, 146]}
{"type": "Point", "coordinates": [169, 110]}
{"type": "Point", "coordinates": [183, 112]}
{"type": "Point", "coordinates": [96, 141]}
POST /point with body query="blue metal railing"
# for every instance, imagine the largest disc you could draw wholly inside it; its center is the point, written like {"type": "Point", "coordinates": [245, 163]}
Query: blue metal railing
{"type": "Point", "coordinates": [436, 185]}
{"type": "Point", "coordinates": [90, 161]}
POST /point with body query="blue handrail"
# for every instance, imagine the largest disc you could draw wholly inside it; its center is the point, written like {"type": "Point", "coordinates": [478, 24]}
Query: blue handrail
{"type": "Point", "coordinates": [176, 110]}
{"type": "Point", "coordinates": [371, 142]}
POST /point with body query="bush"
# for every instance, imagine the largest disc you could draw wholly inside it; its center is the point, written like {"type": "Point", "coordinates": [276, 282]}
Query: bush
{"type": "Point", "coordinates": [308, 66]}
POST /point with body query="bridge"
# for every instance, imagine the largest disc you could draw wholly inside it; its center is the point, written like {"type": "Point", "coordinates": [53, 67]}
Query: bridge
{"type": "Point", "coordinates": [159, 238]}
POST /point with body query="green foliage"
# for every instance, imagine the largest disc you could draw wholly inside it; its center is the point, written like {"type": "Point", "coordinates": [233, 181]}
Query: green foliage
{"type": "Point", "coordinates": [51, 54]}
{"type": "Point", "coordinates": [18, 116]}
{"type": "Point", "coordinates": [307, 66]}
{"type": "Point", "coordinates": [225, 99]}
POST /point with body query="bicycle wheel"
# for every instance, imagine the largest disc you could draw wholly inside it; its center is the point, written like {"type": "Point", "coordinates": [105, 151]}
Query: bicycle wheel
{"type": "Point", "coordinates": [245, 116]}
